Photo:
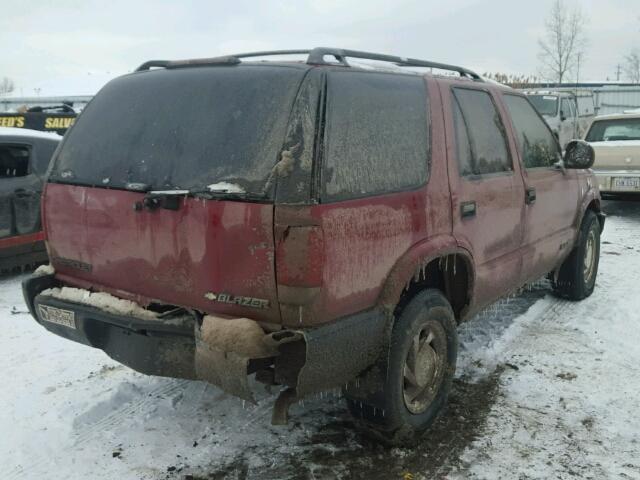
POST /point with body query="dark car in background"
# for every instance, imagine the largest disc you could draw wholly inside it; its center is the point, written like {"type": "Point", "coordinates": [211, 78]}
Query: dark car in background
{"type": "Point", "coordinates": [24, 159]}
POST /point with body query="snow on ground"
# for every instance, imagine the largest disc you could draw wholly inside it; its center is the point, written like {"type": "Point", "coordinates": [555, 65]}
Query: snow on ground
{"type": "Point", "coordinates": [568, 405]}
{"type": "Point", "coordinates": [545, 389]}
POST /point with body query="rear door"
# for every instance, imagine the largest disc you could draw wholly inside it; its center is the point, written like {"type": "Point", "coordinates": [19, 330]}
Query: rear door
{"type": "Point", "coordinates": [551, 194]}
{"type": "Point", "coordinates": [371, 201]}
{"type": "Point", "coordinates": [487, 189]}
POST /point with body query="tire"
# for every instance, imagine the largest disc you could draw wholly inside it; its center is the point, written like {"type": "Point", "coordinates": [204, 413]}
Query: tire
{"type": "Point", "coordinates": [413, 398]}
{"type": "Point", "coordinates": [576, 277]}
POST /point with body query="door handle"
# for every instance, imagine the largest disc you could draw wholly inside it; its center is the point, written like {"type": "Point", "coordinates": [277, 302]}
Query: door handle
{"type": "Point", "coordinates": [530, 196]}
{"type": "Point", "coordinates": [468, 209]}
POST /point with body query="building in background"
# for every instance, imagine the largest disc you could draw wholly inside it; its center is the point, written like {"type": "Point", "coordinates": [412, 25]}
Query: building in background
{"type": "Point", "coordinates": [608, 97]}
{"type": "Point", "coordinates": [17, 104]}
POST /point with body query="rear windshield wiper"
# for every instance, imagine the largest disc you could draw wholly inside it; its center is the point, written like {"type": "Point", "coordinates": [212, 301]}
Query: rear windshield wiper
{"type": "Point", "coordinates": [214, 194]}
{"type": "Point", "coordinates": [170, 199]}
{"type": "Point", "coordinates": [206, 194]}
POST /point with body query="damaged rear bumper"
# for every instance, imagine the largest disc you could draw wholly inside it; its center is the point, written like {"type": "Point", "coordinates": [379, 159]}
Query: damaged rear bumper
{"type": "Point", "coordinates": [307, 361]}
{"type": "Point", "coordinates": [148, 346]}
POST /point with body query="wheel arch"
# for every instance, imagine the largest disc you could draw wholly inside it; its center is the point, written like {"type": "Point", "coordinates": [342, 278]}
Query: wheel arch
{"type": "Point", "coordinates": [593, 203]}
{"type": "Point", "coordinates": [435, 263]}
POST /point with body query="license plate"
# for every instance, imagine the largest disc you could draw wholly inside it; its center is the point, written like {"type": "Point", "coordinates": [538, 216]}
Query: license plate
{"type": "Point", "coordinates": [58, 316]}
{"type": "Point", "coordinates": [628, 183]}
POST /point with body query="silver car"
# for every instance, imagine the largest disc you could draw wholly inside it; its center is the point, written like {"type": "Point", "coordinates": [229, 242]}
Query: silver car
{"type": "Point", "coordinates": [616, 141]}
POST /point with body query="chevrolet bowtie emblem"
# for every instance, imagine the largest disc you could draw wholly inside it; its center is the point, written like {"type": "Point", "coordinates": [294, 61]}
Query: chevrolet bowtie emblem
{"type": "Point", "coordinates": [237, 300]}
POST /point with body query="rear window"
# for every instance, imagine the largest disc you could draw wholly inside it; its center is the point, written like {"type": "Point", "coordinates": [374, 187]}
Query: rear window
{"type": "Point", "coordinates": [185, 129]}
{"type": "Point", "coordinates": [612, 130]}
{"type": "Point", "coordinates": [377, 134]}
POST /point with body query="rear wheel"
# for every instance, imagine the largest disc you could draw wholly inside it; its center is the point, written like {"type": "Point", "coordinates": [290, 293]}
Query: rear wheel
{"type": "Point", "coordinates": [576, 277]}
{"type": "Point", "coordinates": [422, 361]}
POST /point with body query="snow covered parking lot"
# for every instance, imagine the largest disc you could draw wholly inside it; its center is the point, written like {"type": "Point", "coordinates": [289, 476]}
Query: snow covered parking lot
{"type": "Point", "coordinates": [545, 389]}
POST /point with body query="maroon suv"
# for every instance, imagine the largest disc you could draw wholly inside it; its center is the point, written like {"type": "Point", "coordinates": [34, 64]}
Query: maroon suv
{"type": "Point", "coordinates": [314, 224]}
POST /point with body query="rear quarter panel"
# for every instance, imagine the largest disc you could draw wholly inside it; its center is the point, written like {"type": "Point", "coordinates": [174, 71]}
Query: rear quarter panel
{"type": "Point", "coordinates": [364, 240]}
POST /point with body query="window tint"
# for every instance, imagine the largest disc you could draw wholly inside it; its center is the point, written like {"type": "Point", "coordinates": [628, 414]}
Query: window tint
{"type": "Point", "coordinates": [377, 134]}
{"type": "Point", "coordinates": [14, 161]}
{"type": "Point", "coordinates": [482, 147]}
{"type": "Point", "coordinates": [182, 128]}
{"type": "Point", "coordinates": [537, 144]}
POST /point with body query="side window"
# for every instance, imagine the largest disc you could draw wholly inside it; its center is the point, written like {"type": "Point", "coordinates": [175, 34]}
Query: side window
{"type": "Point", "coordinates": [465, 162]}
{"type": "Point", "coordinates": [480, 136]}
{"type": "Point", "coordinates": [566, 109]}
{"type": "Point", "coordinates": [538, 146]}
{"type": "Point", "coordinates": [14, 161]}
{"type": "Point", "coordinates": [377, 134]}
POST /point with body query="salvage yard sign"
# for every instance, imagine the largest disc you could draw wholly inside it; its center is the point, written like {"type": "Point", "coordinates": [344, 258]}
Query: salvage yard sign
{"type": "Point", "coordinates": [46, 122]}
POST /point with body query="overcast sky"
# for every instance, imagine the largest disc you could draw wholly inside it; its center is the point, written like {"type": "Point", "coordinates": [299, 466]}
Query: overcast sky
{"type": "Point", "coordinates": [74, 46]}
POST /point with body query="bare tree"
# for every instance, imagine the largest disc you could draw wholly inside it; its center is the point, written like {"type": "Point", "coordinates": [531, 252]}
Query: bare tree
{"type": "Point", "coordinates": [6, 85]}
{"type": "Point", "coordinates": [632, 66]}
{"type": "Point", "coordinates": [564, 41]}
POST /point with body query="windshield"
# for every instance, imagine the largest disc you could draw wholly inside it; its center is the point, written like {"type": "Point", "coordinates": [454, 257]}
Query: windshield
{"type": "Point", "coordinates": [185, 128]}
{"type": "Point", "coordinates": [545, 104]}
{"type": "Point", "coordinates": [610, 130]}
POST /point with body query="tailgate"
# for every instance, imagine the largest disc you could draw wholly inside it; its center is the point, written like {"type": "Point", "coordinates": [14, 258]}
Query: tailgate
{"type": "Point", "coordinates": [212, 255]}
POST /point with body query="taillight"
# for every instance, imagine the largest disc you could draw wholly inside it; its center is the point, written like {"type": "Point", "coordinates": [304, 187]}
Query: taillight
{"type": "Point", "coordinates": [299, 266]}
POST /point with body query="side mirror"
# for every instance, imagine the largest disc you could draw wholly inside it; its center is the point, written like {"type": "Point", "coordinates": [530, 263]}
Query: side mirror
{"type": "Point", "coordinates": [563, 117]}
{"type": "Point", "coordinates": [578, 155]}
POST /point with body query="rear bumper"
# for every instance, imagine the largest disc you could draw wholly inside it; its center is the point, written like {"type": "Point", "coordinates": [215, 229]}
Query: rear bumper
{"type": "Point", "coordinates": [618, 181]}
{"type": "Point", "coordinates": [308, 361]}
{"type": "Point", "coordinates": [150, 347]}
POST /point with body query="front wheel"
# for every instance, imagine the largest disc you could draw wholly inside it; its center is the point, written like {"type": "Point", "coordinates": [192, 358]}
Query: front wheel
{"type": "Point", "coordinates": [422, 361]}
{"type": "Point", "coordinates": [576, 277]}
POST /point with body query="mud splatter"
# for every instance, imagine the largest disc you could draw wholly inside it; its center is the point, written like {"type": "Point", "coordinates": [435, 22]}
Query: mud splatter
{"type": "Point", "coordinates": [337, 450]}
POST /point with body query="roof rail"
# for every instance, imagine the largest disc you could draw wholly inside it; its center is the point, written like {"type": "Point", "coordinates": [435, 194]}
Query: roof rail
{"type": "Point", "coordinates": [194, 62]}
{"type": "Point", "coordinates": [316, 56]}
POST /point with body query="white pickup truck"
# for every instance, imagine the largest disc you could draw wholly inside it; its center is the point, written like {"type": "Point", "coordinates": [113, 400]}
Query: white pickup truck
{"type": "Point", "coordinates": [568, 114]}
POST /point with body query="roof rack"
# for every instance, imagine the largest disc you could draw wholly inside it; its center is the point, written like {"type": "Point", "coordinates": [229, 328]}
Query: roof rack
{"type": "Point", "coordinates": [315, 56]}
